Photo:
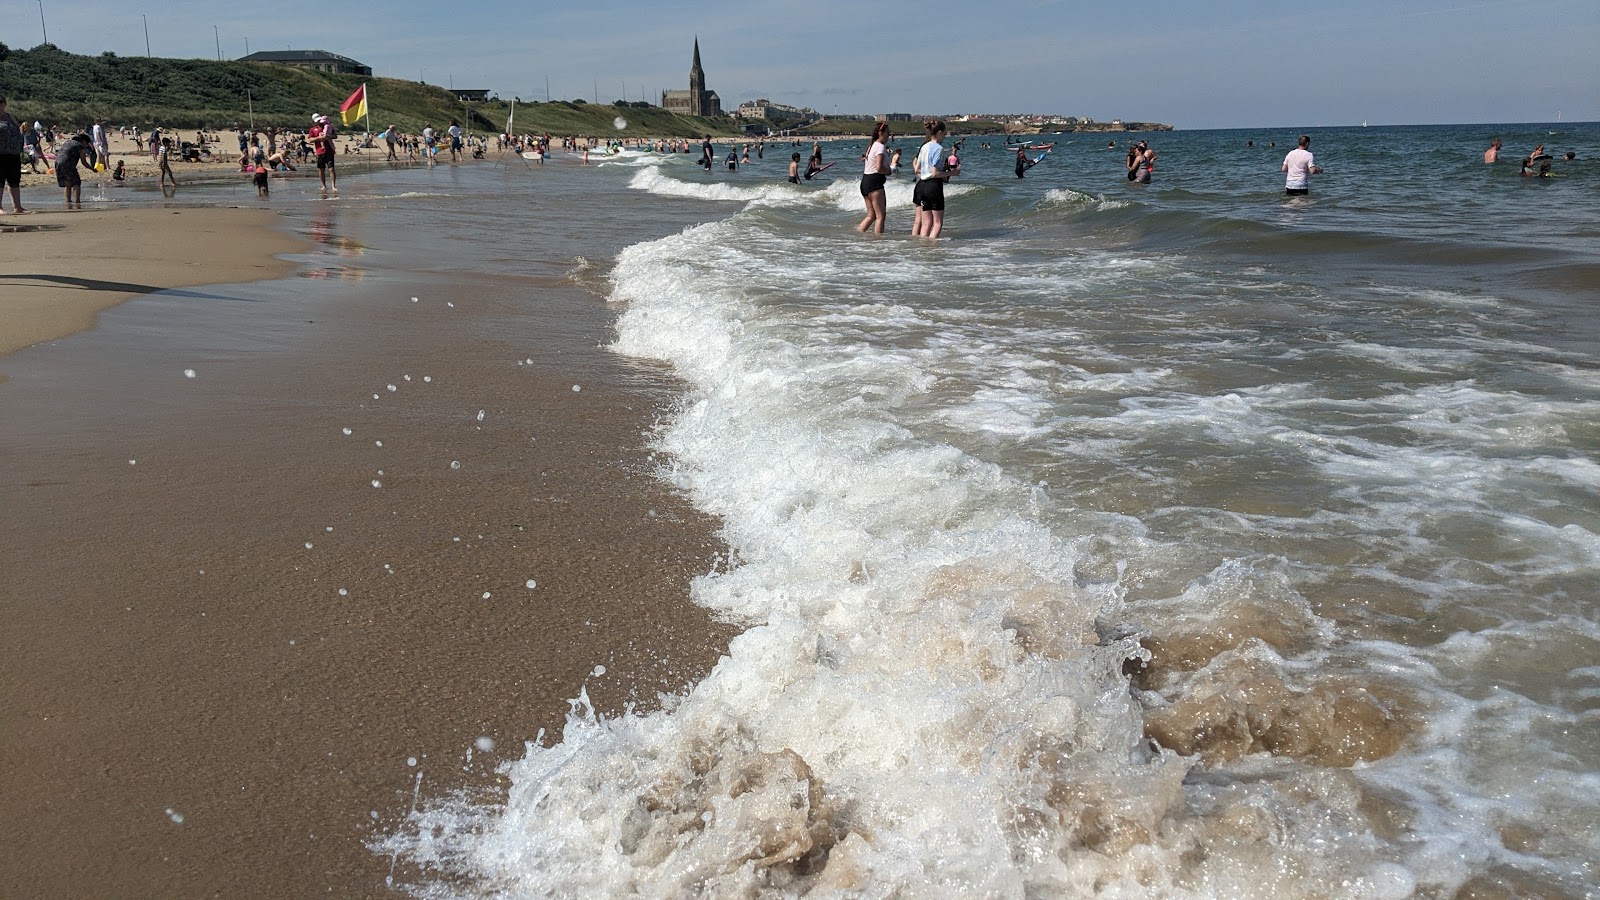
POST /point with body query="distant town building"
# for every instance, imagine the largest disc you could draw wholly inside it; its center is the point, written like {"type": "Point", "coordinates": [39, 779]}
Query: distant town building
{"type": "Point", "coordinates": [766, 109]}
{"type": "Point", "coordinates": [755, 109]}
{"type": "Point", "coordinates": [696, 101]}
{"type": "Point", "coordinates": [316, 60]}
{"type": "Point", "coordinates": [471, 96]}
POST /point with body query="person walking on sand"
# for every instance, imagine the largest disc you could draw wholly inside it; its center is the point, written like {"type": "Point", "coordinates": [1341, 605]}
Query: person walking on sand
{"type": "Point", "coordinates": [10, 159]}
{"type": "Point", "coordinates": [102, 147]}
{"type": "Point", "coordinates": [932, 172]}
{"type": "Point", "coordinates": [164, 163]}
{"type": "Point", "coordinates": [455, 140]}
{"type": "Point", "coordinates": [875, 174]}
{"type": "Point", "coordinates": [1300, 166]}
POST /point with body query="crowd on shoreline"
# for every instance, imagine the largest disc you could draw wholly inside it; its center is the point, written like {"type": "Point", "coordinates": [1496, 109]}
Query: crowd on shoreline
{"type": "Point", "coordinates": [37, 152]}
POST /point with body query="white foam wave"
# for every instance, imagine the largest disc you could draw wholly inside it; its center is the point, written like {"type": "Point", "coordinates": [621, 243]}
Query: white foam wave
{"type": "Point", "coordinates": [924, 703]}
{"type": "Point", "coordinates": [1078, 200]}
{"type": "Point", "coordinates": [651, 178]}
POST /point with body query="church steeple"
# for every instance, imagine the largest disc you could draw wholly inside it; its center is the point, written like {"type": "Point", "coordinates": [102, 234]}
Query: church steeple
{"type": "Point", "coordinates": [697, 83]}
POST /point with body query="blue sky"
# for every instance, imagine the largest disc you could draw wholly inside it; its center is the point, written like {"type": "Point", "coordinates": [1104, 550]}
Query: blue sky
{"type": "Point", "coordinates": [1230, 63]}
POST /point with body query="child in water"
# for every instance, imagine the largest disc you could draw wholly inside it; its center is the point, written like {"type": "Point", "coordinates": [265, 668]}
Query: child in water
{"type": "Point", "coordinates": [794, 169]}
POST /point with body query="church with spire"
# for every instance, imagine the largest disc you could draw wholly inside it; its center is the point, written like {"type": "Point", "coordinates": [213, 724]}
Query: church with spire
{"type": "Point", "coordinates": [696, 101]}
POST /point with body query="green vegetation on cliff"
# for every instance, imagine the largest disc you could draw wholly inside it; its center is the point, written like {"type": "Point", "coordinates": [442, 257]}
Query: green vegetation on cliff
{"type": "Point", "coordinates": [65, 89]}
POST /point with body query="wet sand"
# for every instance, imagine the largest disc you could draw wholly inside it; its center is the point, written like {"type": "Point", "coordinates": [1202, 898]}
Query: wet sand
{"type": "Point", "coordinates": [195, 702]}
{"type": "Point", "coordinates": [63, 267]}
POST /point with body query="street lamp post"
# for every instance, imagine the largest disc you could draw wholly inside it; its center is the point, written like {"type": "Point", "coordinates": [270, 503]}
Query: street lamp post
{"type": "Point", "coordinates": [216, 34]}
{"type": "Point", "coordinates": [42, 29]}
{"type": "Point", "coordinates": [146, 34]}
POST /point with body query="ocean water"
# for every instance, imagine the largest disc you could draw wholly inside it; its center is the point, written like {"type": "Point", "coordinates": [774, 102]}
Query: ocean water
{"type": "Point", "coordinates": [1177, 541]}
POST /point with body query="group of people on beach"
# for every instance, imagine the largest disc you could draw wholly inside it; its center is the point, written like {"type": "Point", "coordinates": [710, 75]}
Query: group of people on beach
{"type": "Point", "coordinates": [84, 150]}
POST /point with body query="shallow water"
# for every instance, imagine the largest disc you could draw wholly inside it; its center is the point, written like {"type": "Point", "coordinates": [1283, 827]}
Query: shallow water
{"type": "Point", "coordinates": [1176, 540]}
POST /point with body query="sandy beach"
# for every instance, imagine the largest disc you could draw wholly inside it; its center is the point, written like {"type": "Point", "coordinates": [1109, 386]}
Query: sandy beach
{"type": "Point", "coordinates": [231, 658]}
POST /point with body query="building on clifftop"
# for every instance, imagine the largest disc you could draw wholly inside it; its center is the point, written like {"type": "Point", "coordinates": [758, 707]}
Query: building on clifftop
{"type": "Point", "coordinates": [317, 60]}
{"type": "Point", "coordinates": [696, 101]}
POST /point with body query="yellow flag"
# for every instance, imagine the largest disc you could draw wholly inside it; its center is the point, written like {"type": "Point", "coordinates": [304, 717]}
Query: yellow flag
{"type": "Point", "coordinates": [354, 109]}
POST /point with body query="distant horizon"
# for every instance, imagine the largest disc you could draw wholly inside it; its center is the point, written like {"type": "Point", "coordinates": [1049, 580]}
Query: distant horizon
{"type": "Point", "coordinates": [1421, 62]}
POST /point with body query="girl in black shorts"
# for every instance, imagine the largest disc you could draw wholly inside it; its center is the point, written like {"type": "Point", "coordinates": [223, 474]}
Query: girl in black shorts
{"type": "Point", "coordinates": [873, 178]}
{"type": "Point", "coordinates": [932, 172]}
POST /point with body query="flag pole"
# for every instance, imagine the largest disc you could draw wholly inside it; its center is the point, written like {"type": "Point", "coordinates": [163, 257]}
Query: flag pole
{"type": "Point", "coordinates": [366, 100]}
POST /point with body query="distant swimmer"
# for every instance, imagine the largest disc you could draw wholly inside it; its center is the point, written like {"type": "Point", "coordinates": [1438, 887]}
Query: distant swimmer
{"type": "Point", "coordinates": [794, 169]}
{"type": "Point", "coordinates": [1301, 166]}
{"type": "Point", "coordinates": [1492, 155]}
{"type": "Point", "coordinates": [1570, 156]}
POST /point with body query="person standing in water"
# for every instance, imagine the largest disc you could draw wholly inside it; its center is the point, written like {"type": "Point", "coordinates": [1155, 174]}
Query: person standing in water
{"type": "Point", "coordinates": [874, 176]}
{"type": "Point", "coordinates": [322, 136]}
{"type": "Point", "coordinates": [932, 172]}
{"type": "Point", "coordinates": [70, 154]}
{"type": "Point", "coordinates": [1023, 162]}
{"type": "Point", "coordinates": [1300, 166]}
{"type": "Point", "coordinates": [1492, 155]}
{"type": "Point", "coordinates": [794, 169]}
{"type": "Point", "coordinates": [1144, 163]}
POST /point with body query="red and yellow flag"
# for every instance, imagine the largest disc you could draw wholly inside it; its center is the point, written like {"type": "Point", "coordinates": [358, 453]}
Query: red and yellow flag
{"type": "Point", "coordinates": [355, 108]}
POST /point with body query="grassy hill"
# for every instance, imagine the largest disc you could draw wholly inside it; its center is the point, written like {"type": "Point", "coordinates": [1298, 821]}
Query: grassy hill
{"type": "Point", "coordinates": [60, 88]}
